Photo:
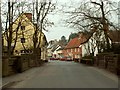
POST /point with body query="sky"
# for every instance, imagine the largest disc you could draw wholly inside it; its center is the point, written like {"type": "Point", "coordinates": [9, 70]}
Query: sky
{"type": "Point", "coordinates": [59, 29]}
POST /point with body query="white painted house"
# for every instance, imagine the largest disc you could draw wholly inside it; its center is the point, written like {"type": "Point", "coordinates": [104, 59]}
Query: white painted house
{"type": "Point", "coordinates": [51, 47]}
{"type": "Point", "coordinates": [57, 52]}
{"type": "Point", "coordinates": [93, 44]}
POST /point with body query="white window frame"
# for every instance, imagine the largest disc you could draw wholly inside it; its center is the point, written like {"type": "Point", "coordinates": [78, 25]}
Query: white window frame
{"type": "Point", "coordinates": [75, 49]}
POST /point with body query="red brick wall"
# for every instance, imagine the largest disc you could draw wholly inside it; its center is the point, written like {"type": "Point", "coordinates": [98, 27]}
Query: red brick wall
{"type": "Point", "coordinates": [74, 51]}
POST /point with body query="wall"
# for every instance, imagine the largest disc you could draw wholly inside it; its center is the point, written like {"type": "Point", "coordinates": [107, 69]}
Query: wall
{"type": "Point", "coordinates": [108, 61]}
{"type": "Point", "coordinates": [17, 64]}
{"type": "Point", "coordinates": [27, 33]}
{"type": "Point", "coordinates": [74, 52]}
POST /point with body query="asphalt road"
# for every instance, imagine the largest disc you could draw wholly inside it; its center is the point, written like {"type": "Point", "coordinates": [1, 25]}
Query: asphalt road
{"type": "Point", "coordinates": [61, 74]}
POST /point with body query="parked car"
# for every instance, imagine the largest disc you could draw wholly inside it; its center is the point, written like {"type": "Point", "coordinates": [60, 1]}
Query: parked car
{"type": "Point", "coordinates": [68, 58]}
{"type": "Point", "coordinates": [57, 58]}
{"type": "Point", "coordinates": [62, 59]}
{"type": "Point", "coordinates": [52, 58]}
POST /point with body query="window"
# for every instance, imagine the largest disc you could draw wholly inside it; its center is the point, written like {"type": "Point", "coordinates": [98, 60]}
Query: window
{"type": "Point", "coordinates": [22, 27]}
{"type": "Point", "coordinates": [78, 56]}
{"type": "Point", "coordinates": [75, 50]}
{"type": "Point", "coordinates": [71, 50]}
{"type": "Point", "coordinates": [67, 50]}
{"type": "Point", "coordinates": [22, 40]}
{"type": "Point", "coordinates": [16, 51]}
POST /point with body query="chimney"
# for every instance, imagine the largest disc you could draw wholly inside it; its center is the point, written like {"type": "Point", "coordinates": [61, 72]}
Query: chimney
{"type": "Point", "coordinates": [29, 16]}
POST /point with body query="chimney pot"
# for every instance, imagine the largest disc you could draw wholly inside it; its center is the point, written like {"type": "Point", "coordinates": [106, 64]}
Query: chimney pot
{"type": "Point", "coordinates": [29, 16]}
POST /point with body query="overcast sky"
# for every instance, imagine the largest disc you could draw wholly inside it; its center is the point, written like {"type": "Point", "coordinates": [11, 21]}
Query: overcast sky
{"type": "Point", "coordinates": [58, 29]}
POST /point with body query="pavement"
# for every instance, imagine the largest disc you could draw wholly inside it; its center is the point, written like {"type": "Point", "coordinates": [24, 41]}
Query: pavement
{"type": "Point", "coordinates": [62, 74]}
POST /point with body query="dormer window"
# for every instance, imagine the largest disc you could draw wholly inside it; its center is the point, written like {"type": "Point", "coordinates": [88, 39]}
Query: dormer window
{"type": "Point", "coordinates": [22, 27]}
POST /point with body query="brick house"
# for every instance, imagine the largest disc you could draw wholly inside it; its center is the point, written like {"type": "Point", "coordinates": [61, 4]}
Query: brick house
{"type": "Point", "coordinates": [73, 49]}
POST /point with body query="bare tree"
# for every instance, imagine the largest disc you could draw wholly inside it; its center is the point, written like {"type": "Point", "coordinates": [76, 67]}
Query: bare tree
{"type": "Point", "coordinates": [13, 12]}
{"type": "Point", "coordinates": [93, 13]}
{"type": "Point", "coordinates": [42, 10]}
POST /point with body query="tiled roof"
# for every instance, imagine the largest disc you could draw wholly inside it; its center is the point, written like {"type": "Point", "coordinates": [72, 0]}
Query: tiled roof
{"type": "Point", "coordinates": [87, 37]}
{"type": "Point", "coordinates": [114, 35]}
{"type": "Point", "coordinates": [75, 42]}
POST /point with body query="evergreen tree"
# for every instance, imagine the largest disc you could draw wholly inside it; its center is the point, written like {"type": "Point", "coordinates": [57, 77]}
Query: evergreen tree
{"type": "Point", "coordinates": [72, 35]}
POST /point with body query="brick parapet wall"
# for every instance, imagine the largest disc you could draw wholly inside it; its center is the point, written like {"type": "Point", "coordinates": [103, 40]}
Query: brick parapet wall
{"type": "Point", "coordinates": [108, 61]}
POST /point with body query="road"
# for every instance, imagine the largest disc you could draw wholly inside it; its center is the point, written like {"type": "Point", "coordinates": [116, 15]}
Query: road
{"type": "Point", "coordinates": [61, 74]}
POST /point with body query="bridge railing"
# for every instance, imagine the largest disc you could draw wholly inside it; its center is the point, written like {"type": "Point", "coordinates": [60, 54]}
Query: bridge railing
{"type": "Point", "coordinates": [108, 61]}
{"type": "Point", "coordinates": [17, 64]}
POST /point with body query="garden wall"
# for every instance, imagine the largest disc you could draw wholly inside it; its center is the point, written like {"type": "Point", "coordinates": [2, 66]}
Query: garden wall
{"type": "Point", "coordinates": [108, 61]}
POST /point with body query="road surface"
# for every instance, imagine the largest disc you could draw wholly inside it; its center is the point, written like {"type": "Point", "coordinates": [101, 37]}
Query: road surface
{"type": "Point", "coordinates": [61, 74]}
